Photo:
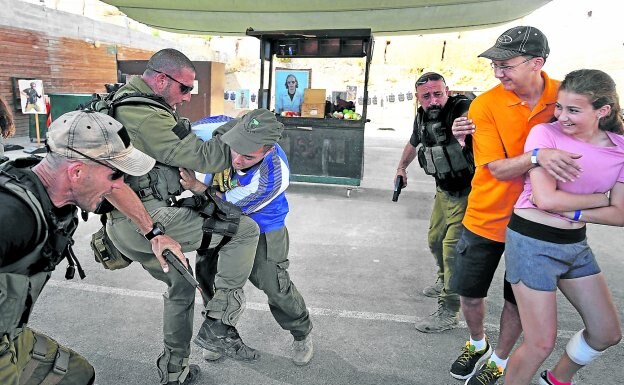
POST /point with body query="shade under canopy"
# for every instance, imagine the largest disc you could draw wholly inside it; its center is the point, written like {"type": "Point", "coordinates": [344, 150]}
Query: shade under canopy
{"type": "Point", "coordinates": [390, 17]}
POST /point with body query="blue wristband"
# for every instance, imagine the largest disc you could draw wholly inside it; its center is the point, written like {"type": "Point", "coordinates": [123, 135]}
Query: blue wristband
{"type": "Point", "coordinates": [534, 157]}
{"type": "Point", "coordinates": [577, 215]}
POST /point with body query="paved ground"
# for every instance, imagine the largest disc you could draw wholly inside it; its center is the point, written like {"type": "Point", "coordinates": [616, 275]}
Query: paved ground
{"type": "Point", "coordinates": [360, 263]}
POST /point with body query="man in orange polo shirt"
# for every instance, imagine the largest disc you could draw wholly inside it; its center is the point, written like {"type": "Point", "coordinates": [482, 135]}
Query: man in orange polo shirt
{"type": "Point", "coordinates": [502, 118]}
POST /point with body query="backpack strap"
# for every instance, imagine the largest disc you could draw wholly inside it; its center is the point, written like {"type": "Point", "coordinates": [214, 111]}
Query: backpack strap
{"type": "Point", "coordinates": [139, 98]}
{"type": "Point", "coordinates": [9, 183]}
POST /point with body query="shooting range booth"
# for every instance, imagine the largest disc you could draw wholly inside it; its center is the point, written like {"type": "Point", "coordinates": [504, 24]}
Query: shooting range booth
{"type": "Point", "coordinates": [320, 147]}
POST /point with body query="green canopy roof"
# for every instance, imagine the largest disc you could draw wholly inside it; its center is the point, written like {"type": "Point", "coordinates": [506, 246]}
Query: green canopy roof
{"type": "Point", "coordinates": [395, 17]}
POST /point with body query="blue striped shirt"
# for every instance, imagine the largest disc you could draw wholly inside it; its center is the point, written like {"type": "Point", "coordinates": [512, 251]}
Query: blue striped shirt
{"type": "Point", "coordinates": [261, 191]}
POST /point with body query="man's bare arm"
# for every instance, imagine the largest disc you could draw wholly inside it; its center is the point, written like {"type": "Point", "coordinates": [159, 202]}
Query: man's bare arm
{"type": "Point", "coordinates": [558, 163]}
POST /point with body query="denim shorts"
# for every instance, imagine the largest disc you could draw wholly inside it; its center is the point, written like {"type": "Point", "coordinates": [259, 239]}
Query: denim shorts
{"type": "Point", "coordinates": [539, 264]}
{"type": "Point", "coordinates": [476, 262]}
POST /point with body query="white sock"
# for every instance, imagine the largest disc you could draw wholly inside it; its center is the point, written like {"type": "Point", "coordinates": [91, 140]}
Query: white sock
{"type": "Point", "coordinates": [479, 345]}
{"type": "Point", "coordinates": [499, 361]}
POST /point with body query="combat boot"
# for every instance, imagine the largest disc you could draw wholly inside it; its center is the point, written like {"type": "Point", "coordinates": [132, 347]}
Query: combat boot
{"type": "Point", "coordinates": [192, 377]}
{"type": "Point", "coordinates": [434, 290]}
{"type": "Point", "coordinates": [176, 374]}
{"type": "Point", "coordinates": [217, 337]}
{"type": "Point", "coordinates": [440, 320]}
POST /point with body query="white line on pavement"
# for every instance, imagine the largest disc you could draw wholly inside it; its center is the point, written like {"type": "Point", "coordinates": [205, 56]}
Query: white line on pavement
{"type": "Point", "coordinates": [315, 311]}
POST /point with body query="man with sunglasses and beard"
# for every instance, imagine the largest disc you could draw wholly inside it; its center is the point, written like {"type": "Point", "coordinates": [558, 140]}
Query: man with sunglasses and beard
{"type": "Point", "coordinates": [159, 132]}
{"type": "Point", "coordinates": [88, 155]}
{"type": "Point", "coordinates": [450, 163]}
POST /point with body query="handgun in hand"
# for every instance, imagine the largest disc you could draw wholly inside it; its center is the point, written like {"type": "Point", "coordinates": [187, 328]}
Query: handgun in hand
{"type": "Point", "coordinates": [177, 264]}
{"type": "Point", "coordinates": [398, 186]}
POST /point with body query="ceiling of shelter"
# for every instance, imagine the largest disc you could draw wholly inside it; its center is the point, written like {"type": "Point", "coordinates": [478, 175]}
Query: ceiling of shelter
{"type": "Point", "coordinates": [384, 17]}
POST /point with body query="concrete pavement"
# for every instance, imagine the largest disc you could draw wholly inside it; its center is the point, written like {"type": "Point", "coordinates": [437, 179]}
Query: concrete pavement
{"type": "Point", "coordinates": [360, 263]}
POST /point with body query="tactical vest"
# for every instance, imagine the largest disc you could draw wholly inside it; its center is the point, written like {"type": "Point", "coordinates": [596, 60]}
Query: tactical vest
{"type": "Point", "coordinates": [22, 281]}
{"type": "Point", "coordinates": [163, 181]}
{"type": "Point", "coordinates": [439, 153]}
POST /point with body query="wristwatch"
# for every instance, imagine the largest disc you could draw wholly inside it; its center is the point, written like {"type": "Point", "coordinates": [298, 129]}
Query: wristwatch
{"type": "Point", "coordinates": [157, 229]}
{"type": "Point", "coordinates": [534, 157]}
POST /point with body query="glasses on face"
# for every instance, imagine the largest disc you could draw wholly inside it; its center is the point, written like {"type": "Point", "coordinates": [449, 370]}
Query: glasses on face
{"type": "Point", "coordinates": [116, 172]}
{"type": "Point", "coordinates": [291, 82]}
{"type": "Point", "coordinates": [184, 89]}
{"type": "Point", "coordinates": [496, 67]}
{"type": "Point", "coordinates": [429, 76]}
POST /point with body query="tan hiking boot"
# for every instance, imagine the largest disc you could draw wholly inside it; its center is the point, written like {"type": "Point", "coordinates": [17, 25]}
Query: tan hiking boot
{"type": "Point", "coordinates": [439, 321]}
{"type": "Point", "coordinates": [434, 290]}
{"type": "Point", "coordinates": [303, 351]}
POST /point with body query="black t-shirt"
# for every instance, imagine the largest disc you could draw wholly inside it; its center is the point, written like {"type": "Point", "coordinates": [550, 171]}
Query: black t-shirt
{"type": "Point", "coordinates": [17, 228]}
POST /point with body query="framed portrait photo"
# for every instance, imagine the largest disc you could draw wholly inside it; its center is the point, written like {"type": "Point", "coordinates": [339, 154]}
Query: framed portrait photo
{"type": "Point", "coordinates": [31, 96]}
{"type": "Point", "coordinates": [289, 86]}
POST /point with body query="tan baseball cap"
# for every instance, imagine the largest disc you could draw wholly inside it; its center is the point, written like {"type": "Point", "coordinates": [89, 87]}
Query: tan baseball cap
{"type": "Point", "coordinates": [252, 131]}
{"type": "Point", "coordinates": [97, 136]}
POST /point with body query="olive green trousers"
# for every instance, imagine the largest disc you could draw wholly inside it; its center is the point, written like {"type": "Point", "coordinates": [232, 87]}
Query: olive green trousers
{"type": "Point", "coordinates": [185, 226]}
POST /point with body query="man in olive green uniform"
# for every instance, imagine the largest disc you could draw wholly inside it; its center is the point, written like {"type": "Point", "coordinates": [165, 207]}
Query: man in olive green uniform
{"type": "Point", "coordinates": [161, 134]}
{"type": "Point", "coordinates": [88, 155]}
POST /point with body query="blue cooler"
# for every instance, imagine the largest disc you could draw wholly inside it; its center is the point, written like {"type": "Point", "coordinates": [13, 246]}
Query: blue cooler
{"type": "Point", "coordinates": [204, 127]}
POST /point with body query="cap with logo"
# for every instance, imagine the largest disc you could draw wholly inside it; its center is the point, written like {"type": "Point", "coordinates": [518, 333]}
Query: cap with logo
{"type": "Point", "coordinates": [100, 137]}
{"type": "Point", "coordinates": [518, 41]}
{"type": "Point", "coordinates": [255, 129]}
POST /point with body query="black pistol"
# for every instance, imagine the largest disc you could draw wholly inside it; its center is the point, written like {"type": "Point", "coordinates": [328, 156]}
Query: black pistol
{"type": "Point", "coordinates": [398, 186]}
{"type": "Point", "coordinates": [172, 260]}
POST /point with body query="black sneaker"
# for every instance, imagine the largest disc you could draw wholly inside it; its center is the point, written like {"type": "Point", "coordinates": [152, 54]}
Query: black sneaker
{"type": "Point", "coordinates": [224, 339]}
{"type": "Point", "coordinates": [191, 378]}
{"type": "Point", "coordinates": [487, 375]}
{"type": "Point", "coordinates": [469, 361]}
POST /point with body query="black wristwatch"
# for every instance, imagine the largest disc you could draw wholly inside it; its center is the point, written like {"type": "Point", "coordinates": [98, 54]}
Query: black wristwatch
{"type": "Point", "coordinates": [157, 229]}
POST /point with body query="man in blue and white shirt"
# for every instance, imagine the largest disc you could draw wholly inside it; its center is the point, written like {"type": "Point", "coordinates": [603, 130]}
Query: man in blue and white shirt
{"type": "Point", "coordinates": [256, 182]}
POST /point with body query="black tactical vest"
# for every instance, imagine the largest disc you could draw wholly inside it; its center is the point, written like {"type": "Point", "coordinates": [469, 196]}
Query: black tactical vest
{"type": "Point", "coordinates": [440, 154]}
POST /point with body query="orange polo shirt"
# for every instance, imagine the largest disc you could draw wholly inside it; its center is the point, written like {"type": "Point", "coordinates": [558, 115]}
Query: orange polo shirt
{"type": "Point", "coordinates": [502, 122]}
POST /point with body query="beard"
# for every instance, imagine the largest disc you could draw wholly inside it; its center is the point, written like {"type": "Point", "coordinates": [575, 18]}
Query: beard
{"type": "Point", "coordinates": [433, 111]}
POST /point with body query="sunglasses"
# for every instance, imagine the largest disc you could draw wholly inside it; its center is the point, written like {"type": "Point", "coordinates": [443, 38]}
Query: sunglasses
{"type": "Point", "coordinates": [184, 89]}
{"type": "Point", "coordinates": [429, 76]}
{"type": "Point", "coordinates": [117, 174]}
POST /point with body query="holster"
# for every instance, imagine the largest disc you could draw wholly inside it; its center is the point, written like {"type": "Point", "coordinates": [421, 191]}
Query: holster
{"type": "Point", "coordinates": [106, 253]}
{"type": "Point", "coordinates": [221, 217]}
{"type": "Point", "coordinates": [205, 272]}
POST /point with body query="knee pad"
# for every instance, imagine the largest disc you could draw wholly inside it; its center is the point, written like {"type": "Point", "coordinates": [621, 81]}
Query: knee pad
{"type": "Point", "coordinates": [579, 351]}
{"type": "Point", "coordinates": [227, 305]}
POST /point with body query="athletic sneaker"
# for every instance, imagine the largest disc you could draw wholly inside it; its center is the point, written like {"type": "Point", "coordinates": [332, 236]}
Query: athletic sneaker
{"type": "Point", "coordinates": [544, 379]}
{"type": "Point", "coordinates": [434, 290]}
{"type": "Point", "coordinates": [303, 350]}
{"type": "Point", "coordinates": [487, 375]}
{"type": "Point", "coordinates": [470, 360]}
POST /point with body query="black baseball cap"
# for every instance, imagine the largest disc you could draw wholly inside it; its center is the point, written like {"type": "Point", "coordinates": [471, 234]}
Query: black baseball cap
{"type": "Point", "coordinates": [518, 41]}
